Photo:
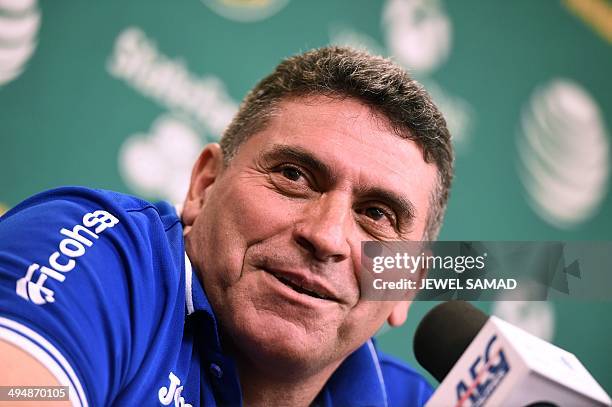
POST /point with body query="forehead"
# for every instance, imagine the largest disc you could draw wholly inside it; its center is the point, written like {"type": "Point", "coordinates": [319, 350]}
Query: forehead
{"type": "Point", "coordinates": [355, 142]}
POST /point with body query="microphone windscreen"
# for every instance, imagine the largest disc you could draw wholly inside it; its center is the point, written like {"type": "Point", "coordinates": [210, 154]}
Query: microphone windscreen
{"type": "Point", "coordinates": [444, 334]}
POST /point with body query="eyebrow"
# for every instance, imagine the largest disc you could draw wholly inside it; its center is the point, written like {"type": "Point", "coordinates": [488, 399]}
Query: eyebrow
{"type": "Point", "coordinates": [404, 207]}
{"type": "Point", "coordinates": [302, 157]}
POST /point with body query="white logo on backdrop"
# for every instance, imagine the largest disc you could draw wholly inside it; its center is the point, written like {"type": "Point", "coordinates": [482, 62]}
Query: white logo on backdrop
{"type": "Point", "coordinates": [563, 154]}
{"type": "Point", "coordinates": [167, 81]}
{"type": "Point", "coordinates": [418, 33]}
{"type": "Point", "coordinates": [19, 23]}
{"type": "Point", "coordinates": [246, 11]}
{"type": "Point", "coordinates": [158, 164]}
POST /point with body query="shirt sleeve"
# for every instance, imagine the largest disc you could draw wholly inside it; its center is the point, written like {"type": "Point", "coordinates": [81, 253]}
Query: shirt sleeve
{"type": "Point", "coordinates": [74, 269]}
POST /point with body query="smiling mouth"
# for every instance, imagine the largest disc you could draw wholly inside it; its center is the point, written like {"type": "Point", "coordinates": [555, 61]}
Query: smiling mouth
{"type": "Point", "coordinates": [296, 287]}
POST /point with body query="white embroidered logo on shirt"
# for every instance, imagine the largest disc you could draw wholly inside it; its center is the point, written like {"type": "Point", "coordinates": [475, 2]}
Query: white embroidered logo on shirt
{"type": "Point", "coordinates": [63, 260]}
{"type": "Point", "coordinates": [172, 393]}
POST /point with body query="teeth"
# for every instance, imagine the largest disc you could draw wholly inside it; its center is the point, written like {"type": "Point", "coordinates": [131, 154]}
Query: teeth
{"type": "Point", "coordinates": [298, 287]}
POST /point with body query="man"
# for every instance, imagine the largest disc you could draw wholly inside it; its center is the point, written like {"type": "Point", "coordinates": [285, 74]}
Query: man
{"type": "Point", "coordinates": [335, 147]}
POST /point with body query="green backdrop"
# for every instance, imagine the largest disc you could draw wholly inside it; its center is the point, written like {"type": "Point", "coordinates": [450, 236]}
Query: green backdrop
{"type": "Point", "coordinates": [92, 92]}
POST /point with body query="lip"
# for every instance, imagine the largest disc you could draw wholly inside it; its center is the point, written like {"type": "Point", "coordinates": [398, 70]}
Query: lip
{"type": "Point", "coordinates": [292, 279]}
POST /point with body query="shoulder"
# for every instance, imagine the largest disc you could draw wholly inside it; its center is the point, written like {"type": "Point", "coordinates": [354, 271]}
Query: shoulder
{"type": "Point", "coordinates": [96, 274]}
{"type": "Point", "coordinates": [76, 234]}
{"type": "Point", "coordinates": [405, 386]}
{"type": "Point", "coordinates": [73, 218]}
{"type": "Point", "coordinates": [66, 201]}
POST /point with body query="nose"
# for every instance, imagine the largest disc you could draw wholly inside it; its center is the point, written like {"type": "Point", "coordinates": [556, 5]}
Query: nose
{"type": "Point", "coordinates": [324, 228]}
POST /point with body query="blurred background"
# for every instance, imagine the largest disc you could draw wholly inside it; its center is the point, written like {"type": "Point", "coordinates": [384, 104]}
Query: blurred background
{"type": "Point", "coordinates": [123, 95]}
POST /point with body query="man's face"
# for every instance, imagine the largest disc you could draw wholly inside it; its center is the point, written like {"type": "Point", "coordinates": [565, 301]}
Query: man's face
{"type": "Point", "coordinates": [277, 234]}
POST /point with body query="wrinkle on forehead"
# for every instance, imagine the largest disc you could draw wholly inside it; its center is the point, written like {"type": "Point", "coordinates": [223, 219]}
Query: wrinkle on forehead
{"type": "Point", "coordinates": [371, 112]}
{"type": "Point", "coordinates": [347, 118]}
{"type": "Point", "coordinates": [357, 143]}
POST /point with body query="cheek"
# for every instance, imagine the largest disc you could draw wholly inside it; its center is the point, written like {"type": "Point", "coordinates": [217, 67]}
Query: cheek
{"type": "Point", "coordinates": [239, 217]}
{"type": "Point", "coordinates": [261, 213]}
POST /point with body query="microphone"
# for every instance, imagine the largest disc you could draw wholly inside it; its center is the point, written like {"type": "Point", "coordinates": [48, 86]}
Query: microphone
{"type": "Point", "coordinates": [485, 361]}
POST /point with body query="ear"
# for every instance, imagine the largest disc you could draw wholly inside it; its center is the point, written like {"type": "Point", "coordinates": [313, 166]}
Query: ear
{"type": "Point", "coordinates": [399, 313]}
{"type": "Point", "coordinates": [204, 173]}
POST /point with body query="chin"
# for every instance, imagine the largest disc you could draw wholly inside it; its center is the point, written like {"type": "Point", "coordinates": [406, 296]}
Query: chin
{"type": "Point", "coordinates": [274, 343]}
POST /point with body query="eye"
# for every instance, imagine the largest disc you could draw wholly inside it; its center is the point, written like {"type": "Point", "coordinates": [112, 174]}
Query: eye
{"type": "Point", "coordinates": [378, 217]}
{"type": "Point", "coordinates": [292, 180]}
{"type": "Point", "coordinates": [291, 173]}
{"type": "Point", "coordinates": [374, 213]}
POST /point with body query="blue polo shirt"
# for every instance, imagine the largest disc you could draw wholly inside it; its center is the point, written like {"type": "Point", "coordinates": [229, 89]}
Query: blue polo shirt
{"type": "Point", "coordinates": [96, 286]}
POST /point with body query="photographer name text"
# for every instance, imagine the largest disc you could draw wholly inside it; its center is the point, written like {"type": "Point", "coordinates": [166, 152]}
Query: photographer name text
{"type": "Point", "coordinates": [447, 284]}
